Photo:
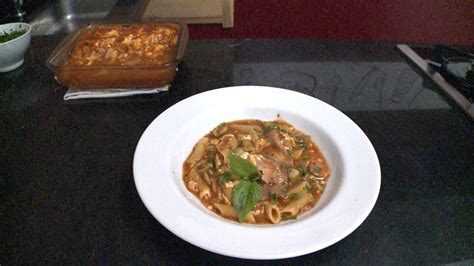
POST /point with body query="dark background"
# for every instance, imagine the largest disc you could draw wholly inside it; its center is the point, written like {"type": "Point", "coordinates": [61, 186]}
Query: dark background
{"type": "Point", "coordinates": [411, 21]}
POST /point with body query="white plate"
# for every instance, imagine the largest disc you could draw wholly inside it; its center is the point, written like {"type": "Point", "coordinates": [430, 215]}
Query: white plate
{"type": "Point", "coordinates": [350, 194]}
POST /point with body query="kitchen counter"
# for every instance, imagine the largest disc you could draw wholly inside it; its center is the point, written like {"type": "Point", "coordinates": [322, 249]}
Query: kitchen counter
{"type": "Point", "coordinates": [68, 194]}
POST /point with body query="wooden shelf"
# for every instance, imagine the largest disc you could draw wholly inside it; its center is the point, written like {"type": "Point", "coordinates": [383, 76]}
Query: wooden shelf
{"type": "Point", "coordinates": [192, 11]}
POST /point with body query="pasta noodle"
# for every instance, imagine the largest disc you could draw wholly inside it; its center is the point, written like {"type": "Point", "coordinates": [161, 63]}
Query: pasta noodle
{"type": "Point", "coordinates": [198, 150]}
{"type": "Point", "coordinates": [227, 191]}
{"type": "Point", "coordinates": [229, 211]}
{"type": "Point", "coordinates": [294, 207]}
{"type": "Point", "coordinates": [300, 188]}
{"type": "Point", "coordinates": [202, 187]}
{"type": "Point", "coordinates": [192, 186]}
{"type": "Point", "coordinates": [226, 210]}
{"type": "Point", "coordinates": [273, 213]}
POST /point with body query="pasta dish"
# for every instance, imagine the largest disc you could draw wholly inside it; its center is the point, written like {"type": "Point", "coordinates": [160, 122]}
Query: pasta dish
{"type": "Point", "coordinates": [258, 172]}
{"type": "Point", "coordinates": [141, 55]}
{"type": "Point", "coordinates": [126, 45]}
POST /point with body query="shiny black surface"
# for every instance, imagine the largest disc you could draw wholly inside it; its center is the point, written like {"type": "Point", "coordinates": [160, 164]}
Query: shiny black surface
{"type": "Point", "coordinates": [67, 190]}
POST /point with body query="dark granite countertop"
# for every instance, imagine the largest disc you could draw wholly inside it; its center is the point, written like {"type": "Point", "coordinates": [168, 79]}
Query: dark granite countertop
{"type": "Point", "coordinates": [68, 194]}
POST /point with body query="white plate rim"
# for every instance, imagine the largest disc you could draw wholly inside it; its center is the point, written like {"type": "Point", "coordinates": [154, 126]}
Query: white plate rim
{"type": "Point", "coordinates": [254, 242]}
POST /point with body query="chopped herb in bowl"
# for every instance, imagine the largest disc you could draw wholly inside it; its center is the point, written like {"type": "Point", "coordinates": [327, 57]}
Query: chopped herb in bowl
{"type": "Point", "coordinates": [13, 34]}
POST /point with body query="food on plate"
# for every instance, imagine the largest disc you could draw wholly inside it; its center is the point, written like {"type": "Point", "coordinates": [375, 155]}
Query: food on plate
{"type": "Point", "coordinates": [259, 172]}
{"type": "Point", "coordinates": [116, 56]}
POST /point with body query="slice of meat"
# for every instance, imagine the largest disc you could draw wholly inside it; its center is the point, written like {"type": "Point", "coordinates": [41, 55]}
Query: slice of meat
{"type": "Point", "coordinates": [275, 138]}
{"type": "Point", "coordinates": [272, 171]}
{"type": "Point", "coordinates": [280, 153]}
{"type": "Point", "coordinates": [277, 155]}
{"type": "Point", "coordinates": [269, 189]}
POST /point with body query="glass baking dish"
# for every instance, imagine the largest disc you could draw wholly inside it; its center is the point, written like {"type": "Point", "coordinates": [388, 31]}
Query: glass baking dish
{"type": "Point", "coordinates": [134, 70]}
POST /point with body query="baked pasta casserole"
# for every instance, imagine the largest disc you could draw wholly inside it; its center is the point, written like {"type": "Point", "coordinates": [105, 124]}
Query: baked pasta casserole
{"type": "Point", "coordinates": [135, 55]}
{"type": "Point", "coordinates": [126, 45]}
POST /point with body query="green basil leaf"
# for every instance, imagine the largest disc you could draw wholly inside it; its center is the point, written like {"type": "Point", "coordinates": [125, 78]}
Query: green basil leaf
{"type": "Point", "coordinates": [244, 197]}
{"type": "Point", "coordinates": [225, 177]}
{"type": "Point", "coordinates": [241, 167]}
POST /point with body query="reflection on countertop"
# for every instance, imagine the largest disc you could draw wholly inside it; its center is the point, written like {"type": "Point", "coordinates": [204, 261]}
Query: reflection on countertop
{"type": "Point", "coordinates": [348, 86]}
